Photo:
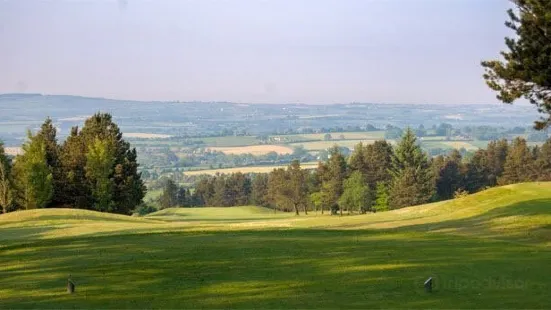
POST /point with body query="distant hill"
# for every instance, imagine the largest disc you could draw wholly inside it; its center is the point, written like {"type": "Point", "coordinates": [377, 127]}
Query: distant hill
{"type": "Point", "coordinates": [27, 111]}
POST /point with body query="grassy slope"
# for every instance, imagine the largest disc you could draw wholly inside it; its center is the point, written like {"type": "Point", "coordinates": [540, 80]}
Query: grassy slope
{"type": "Point", "coordinates": [485, 251]}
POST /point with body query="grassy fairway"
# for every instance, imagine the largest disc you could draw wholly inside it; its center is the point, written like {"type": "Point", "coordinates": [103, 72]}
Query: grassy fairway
{"type": "Point", "coordinates": [490, 250]}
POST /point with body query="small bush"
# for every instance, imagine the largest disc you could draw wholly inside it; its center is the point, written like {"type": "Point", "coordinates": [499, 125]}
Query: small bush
{"type": "Point", "coordinates": [144, 209]}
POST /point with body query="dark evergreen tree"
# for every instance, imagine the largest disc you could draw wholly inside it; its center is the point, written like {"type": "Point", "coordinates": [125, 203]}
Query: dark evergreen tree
{"type": "Point", "coordinates": [477, 172]}
{"type": "Point", "coordinates": [412, 182]}
{"type": "Point", "coordinates": [72, 186]}
{"type": "Point", "coordinates": [129, 189]}
{"type": "Point", "coordinates": [449, 175]}
{"type": "Point", "coordinates": [48, 133]}
{"type": "Point", "coordinates": [378, 157]}
{"type": "Point", "coordinates": [526, 69]}
{"type": "Point", "coordinates": [519, 165]}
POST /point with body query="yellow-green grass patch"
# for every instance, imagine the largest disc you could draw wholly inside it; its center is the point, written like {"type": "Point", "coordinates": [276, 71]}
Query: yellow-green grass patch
{"type": "Point", "coordinates": [254, 149]}
{"type": "Point", "coordinates": [252, 169]}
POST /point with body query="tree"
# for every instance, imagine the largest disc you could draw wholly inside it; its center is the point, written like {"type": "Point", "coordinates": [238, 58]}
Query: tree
{"type": "Point", "coordinates": [221, 195]}
{"type": "Point", "coordinates": [99, 171]}
{"type": "Point", "coordinates": [181, 197]}
{"type": "Point", "coordinates": [316, 199]}
{"type": "Point", "coordinates": [6, 183]}
{"type": "Point", "coordinates": [259, 190]}
{"type": "Point", "coordinates": [372, 161]}
{"type": "Point", "coordinates": [444, 129]}
{"type": "Point", "coordinates": [48, 133]}
{"type": "Point", "coordinates": [421, 131]}
{"type": "Point", "coordinates": [496, 154]}
{"type": "Point", "coordinates": [448, 172]}
{"type": "Point", "coordinates": [297, 187]}
{"type": "Point", "coordinates": [525, 70]}
{"type": "Point", "coordinates": [204, 191]}
{"type": "Point", "coordinates": [128, 187]}
{"type": "Point", "coordinates": [34, 181]}
{"type": "Point", "coordinates": [287, 189]}
{"type": "Point", "coordinates": [356, 195]}
{"type": "Point", "coordinates": [239, 189]}
{"type": "Point", "coordinates": [277, 190]}
{"type": "Point", "coordinates": [333, 175]}
{"type": "Point", "coordinates": [412, 180]}
{"type": "Point", "coordinates": [543, 162]}
{"type": "Point", "coordinates": [381, 200]}
{"type": "Point", "coordinates": [378, 158]}
{"type": "Point", "coordinates": [168, 198]}
{"type": "Point", "coordinates": [519, 165]}
{"type": "Point", "coordinates": [478, 171]}
{"type": "Point", "coordinates": [73, 189]}
{"type": "Point", "coordinates": [357, 160]}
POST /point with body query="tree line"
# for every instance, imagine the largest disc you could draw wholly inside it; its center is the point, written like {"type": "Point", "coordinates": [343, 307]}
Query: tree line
{"type": "Point", "coordinates": [94, 168]}
{"type": "Point", "coordinates": [377, 177]}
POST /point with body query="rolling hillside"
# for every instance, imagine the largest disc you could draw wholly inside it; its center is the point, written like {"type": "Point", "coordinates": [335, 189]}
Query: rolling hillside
{"type": "Point", "coordinates": [487, 250]}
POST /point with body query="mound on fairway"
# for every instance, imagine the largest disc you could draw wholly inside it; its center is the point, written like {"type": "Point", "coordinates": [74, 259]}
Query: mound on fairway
{"type": "Point", "coordinates": [488, 250]}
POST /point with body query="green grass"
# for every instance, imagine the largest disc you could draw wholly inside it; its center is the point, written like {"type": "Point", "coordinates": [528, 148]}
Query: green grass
{"type": "Point", "coordinates": [247, 169]}
{"type": "Point", "coordinates": [152, 194]}
{"type": "Point", "coordinates": [488, 250]}
{"type": "Point", "coordinates": [324, 145]}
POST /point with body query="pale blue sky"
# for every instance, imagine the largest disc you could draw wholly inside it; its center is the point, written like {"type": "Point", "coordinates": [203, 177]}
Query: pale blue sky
{"type": "Point", "coordinates": [309, 51]}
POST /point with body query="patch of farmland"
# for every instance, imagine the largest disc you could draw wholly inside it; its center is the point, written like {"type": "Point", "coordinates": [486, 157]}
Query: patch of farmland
{"type": "Point", "coordinates": [253, 169]}
{"type": "Point", "coordinates": [367, 135]}
{"type": "Point", "coordinates": [145, 135]}
{"type": "Point", "coordinates": [227, 141]}
{"type": "Point", "coordinates": [324, 145]}
{"type": "Point", "coordinates": [254, 149]}
{"type": "Point", "coordinates": [461, 144]}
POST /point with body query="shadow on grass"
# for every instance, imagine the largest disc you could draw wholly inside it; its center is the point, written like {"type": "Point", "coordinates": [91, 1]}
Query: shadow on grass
{"type": "Point", "coordinates": [92, 216]}
{"type": "Point", "coordinates": [294, 268]}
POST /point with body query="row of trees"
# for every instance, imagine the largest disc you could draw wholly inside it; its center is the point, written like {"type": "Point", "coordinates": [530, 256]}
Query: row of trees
{"type": "Point", "coordinates": [378, 177]}
{"type": "Point", "coordinates": [93, 169]}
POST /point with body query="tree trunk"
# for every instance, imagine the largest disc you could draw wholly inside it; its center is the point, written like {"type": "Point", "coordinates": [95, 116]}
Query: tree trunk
{"type": "Point", "coordinates": [305, 210]}
{"type": "Point", "coordinates": [322, 209]}
{"type": "Point", "coordinates": [296, 209]}
{"type": "Point", "coordinates": [340, 210]}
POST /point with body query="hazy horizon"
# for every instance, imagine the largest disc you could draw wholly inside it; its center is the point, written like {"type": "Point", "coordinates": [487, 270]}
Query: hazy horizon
{"type": "Point", "coordinates": [322, 52]}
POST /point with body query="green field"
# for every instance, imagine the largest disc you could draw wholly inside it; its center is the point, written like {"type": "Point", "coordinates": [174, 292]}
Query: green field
{"type": "Point", "coordinates": [363, 135]}
{"type": "Point", "coordinates": [488, 250]}
{"type": "Point", "coordinates": [324, 145]}
{"type": "Point", "coordinates": [248, 169]}
{"type": "Point", "coordinates": [468, 145]}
